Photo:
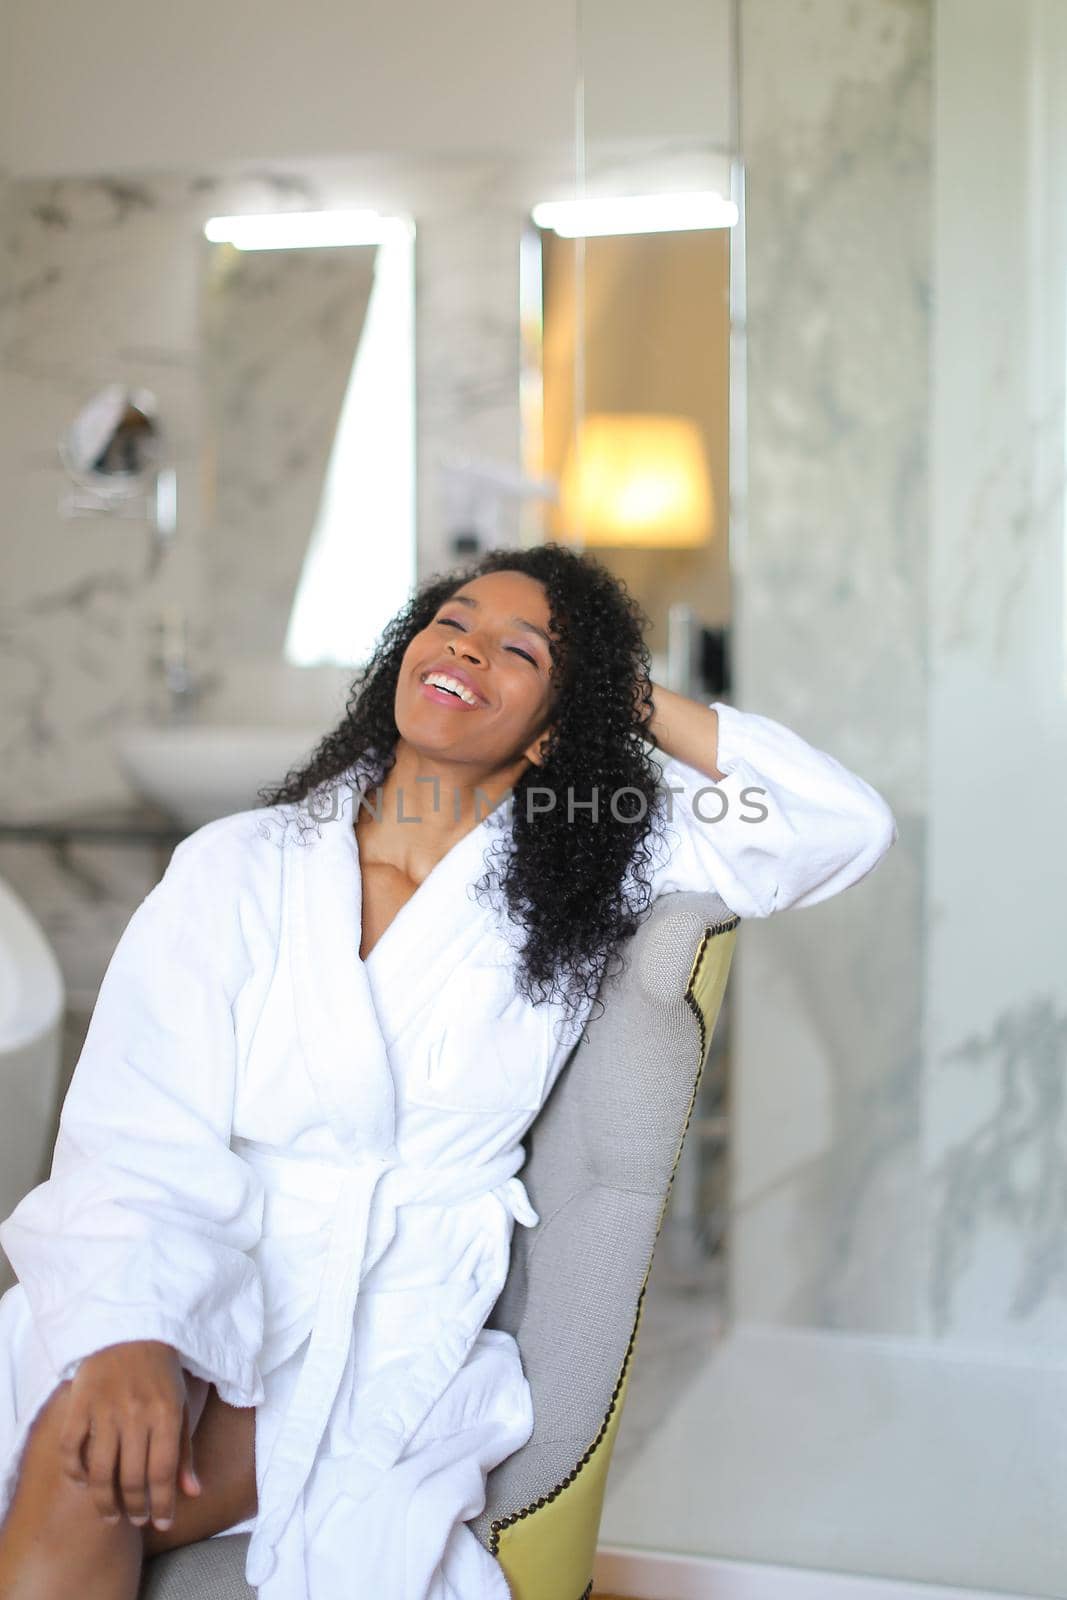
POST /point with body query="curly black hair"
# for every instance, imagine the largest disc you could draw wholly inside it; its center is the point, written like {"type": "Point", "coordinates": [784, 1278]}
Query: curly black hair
{"type": "Point", "coordinates": [578, 887]}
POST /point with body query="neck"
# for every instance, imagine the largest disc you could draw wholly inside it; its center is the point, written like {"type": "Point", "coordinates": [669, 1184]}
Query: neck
{"type": "Point", "coordinates": [447, 798]}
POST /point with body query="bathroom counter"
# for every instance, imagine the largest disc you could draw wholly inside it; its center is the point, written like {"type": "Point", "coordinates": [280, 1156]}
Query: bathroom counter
{"type": "Point", "coordinates": [137, 823]}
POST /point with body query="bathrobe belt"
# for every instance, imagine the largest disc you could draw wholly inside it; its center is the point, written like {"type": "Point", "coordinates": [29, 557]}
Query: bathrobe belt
{"type": "Point", "coordinates": [389, 1184]}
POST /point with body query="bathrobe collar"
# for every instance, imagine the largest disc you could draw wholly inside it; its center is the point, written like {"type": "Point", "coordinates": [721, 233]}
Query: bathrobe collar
{"type": "Point", "coordinates": [346, 1025]}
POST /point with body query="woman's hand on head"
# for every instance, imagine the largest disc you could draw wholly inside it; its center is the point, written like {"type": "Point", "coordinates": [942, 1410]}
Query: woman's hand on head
{"type": "Point", "coordinates": [129, 1410]}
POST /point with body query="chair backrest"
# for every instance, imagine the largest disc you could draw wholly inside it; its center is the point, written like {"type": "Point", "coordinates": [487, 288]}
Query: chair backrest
{"type": "Point", "coordinates": [601, 1157]}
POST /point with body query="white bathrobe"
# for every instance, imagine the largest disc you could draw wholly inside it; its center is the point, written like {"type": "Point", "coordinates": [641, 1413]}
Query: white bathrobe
{"type": "Point", "coordinates": [298, 1168]}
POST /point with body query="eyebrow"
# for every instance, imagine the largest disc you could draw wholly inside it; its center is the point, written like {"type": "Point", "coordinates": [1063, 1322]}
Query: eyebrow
{"type": "Point", "coordinates": [469, 600]}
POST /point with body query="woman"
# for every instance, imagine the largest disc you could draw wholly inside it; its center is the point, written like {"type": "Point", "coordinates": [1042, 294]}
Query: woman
{"type": "Point", "coordinates": [284, 1187]}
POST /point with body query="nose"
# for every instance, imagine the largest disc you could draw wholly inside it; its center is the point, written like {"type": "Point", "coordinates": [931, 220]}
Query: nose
{"type": "Point", "coordinates": [467, 647]}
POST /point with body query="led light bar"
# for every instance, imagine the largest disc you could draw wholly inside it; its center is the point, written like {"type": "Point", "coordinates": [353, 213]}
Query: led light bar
{"type": "Point", "coordinates": [637, 213]}
{"type": "Point", "coordinates": [296, 230]}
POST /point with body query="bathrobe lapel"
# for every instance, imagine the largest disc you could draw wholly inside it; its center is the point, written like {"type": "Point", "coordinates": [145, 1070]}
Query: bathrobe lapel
{"type": "Point", "coordinates": [351, 1012]}
{"type": "Point", "coordinates": [344, 1050]}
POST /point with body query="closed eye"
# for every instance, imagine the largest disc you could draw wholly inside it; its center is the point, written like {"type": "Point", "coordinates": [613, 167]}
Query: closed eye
{"type": "Point", "coordinates": [450, 622]}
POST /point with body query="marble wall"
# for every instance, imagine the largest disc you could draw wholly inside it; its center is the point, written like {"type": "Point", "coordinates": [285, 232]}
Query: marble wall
{"type": "Point", "coordinates": [899, 1108]}
{"type": "Point", "coordinates": [102, 283]}
{"type": "Point", "coordinates": [831, 601]}
{"type": "Point", "coordinates": [994, 1113]}
{"type": "Point", "coordinates": [889, 1397]}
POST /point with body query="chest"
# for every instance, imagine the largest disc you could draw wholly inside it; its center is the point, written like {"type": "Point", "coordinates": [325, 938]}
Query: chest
{"type": "Point", "coordinates": [385, 892]}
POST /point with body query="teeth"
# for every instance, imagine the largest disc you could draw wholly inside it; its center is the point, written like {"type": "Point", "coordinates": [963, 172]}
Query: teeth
{"type": "Point", "coordinates": [442, 681]}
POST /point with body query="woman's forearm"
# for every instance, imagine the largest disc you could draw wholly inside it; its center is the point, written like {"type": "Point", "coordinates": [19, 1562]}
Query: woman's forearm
{"type": "Point", "coordinates": [685, 729]}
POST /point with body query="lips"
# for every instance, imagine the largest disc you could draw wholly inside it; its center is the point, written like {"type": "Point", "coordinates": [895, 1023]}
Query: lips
{"type": "Point", "coordinates": [461, 677]}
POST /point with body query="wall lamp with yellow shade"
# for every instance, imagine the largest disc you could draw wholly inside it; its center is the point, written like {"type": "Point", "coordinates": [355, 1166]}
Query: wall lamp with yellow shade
{"type": "Point", "coordinates": [640, 481]}
{"type": "Point", "coordinates": [637, 481]}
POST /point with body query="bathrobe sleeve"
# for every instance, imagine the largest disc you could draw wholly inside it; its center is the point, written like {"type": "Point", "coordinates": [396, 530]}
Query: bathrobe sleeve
{"type": "Point", "coordinates": [787, 826]}
{"type": "Point", "coordinates": [142, 1230]}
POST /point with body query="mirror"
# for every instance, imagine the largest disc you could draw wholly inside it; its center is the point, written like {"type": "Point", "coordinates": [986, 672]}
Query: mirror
{"type": "Point", "coordinates": [635, 373]}
{"type": "Point", "coordinates": [114, 443]}
{"type": "Point", "coordinates": [308, 383]}
{"type": "Point", "coordinates": [639, 323]}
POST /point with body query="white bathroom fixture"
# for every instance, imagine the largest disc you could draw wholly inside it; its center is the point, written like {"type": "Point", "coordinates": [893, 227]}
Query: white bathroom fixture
{"type": "Point", "coordinates": [199, 770]}
{"type": "Point", "coordinates": [31, 1031]}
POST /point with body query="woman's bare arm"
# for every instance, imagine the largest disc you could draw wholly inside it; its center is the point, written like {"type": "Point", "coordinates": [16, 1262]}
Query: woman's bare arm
{"type": "Point", "coordinates": [684, 729]}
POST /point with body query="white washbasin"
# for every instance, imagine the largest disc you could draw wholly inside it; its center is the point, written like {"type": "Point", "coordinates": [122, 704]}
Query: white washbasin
{"type": "Point", "coordinates": [32, 997]}
{"type": "Point", "coordinates": [200, 770]}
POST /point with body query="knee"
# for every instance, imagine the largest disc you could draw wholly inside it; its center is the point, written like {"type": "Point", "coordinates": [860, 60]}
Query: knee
{"type": "Point", "coordinates": [45, 1491]}
{"type": "Point", "coordinates": [42, 1455]}
{"type": "Point", "coordinates": [47, 1465]}
{"type": "Point", "coordinates": [47, 1425]}
{"type": "Point", "coordinates": [52, 1537]}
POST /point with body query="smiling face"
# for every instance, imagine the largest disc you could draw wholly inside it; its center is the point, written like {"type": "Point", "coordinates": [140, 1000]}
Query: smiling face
{"type": "Point", "coordinates": [490, 639]}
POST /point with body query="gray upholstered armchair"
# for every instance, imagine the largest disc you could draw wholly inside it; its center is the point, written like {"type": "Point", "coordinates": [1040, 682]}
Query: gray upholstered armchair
{"type": "Point", "coordinates": [601, 1157]}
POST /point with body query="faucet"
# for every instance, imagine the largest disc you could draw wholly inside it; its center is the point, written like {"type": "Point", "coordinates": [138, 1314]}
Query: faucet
{"type": "Point", "coordinates": [170, 660]}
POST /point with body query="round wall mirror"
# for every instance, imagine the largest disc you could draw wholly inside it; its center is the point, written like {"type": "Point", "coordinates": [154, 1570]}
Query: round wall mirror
{"type": "Point", "coordinates": [114, 443]}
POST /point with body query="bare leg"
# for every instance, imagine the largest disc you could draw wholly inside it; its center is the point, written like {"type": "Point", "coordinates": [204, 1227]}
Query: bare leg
{"type": "Point", "coordinates": [54, 1543]}
{"type": "Point", "coordinates": [224, 1451]}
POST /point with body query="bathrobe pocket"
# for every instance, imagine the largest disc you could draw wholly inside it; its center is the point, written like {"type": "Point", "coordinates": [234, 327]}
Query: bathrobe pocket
{"type": "Point", "coordinates": [485, 1049]}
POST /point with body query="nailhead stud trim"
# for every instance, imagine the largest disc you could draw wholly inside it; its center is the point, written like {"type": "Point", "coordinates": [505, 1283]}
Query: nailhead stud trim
{"type": "Point", "coordinates": [498, 1525]}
